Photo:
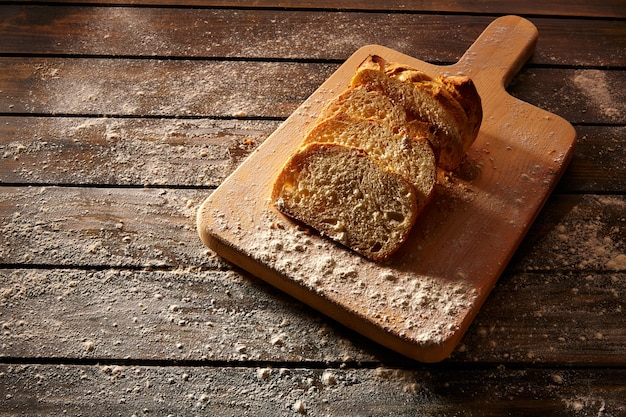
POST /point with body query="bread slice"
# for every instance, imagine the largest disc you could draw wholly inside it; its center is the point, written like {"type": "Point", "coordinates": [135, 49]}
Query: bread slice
{"type": "Point", "coordinates": [347, 196]}
{"type": "Point", "coordinates": [428, 100]}
{"type": "Point", "coordinates": [412, 158]}
{"type": "Point", "coordinates": [359, 102]}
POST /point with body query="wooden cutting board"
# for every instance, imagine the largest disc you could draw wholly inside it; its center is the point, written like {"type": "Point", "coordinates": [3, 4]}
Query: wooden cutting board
{"type": "Point", "coordinates": [422, 301]}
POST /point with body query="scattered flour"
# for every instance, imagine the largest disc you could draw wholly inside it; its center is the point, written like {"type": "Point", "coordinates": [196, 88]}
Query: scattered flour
{"type": "Point", "coordinates": [594, 85]}
{"type": "Point", "coordinates": [91, 226]}
{"type": "Point", "coordinates": [105, 150]}
{"type": "Point", "coordinates": [595, 239]}
{"type": "Point", "coordinates": [425, 310]}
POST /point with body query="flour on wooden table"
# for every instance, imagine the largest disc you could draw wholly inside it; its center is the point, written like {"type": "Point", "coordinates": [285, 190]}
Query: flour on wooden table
{"type": "Point", "coordinates": [129, 151]}
{"type": "Point", "coordinates": [597, 89]}
{"type": "Point", "coordinates": [590, 243]}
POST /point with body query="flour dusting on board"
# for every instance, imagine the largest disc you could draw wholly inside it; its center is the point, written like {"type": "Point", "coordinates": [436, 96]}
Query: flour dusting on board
{"type": "Point", "coordinates": [425, 310]}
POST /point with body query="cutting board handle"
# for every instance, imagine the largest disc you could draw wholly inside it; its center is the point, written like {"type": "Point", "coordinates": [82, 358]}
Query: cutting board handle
{"type": "Point", "coordinates": [499, 53]}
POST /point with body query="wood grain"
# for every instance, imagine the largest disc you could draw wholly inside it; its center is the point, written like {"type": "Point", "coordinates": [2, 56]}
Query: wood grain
{"type": "Point", "coordinates": [188, 89]}
{"type": "Point", "coordinates": [514, 327]}
{"type": "Point", "coordinates": [109, 87]}
{"type": "Point", "coordinates": [579, 231]}
{"type": "Point", "coordinates": [183, 390]}
{"type": "Point", "coordinates": [597, 164]}
{"type": "Point", "coordinates": [125, 227]}
{"type": "Point", "coordinates": [284, 34]}
{"type": "Point", "coordinates": [209, 316]}
{"type": "Point", "coordinates": [184, 314]}
{"type": "Point", "coordinates": [605, 8]}
{"type": "Point", "coordinates": [121, 151]}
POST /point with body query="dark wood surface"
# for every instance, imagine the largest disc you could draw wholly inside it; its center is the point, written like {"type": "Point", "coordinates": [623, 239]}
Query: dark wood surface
{"type": "Point", "coordinates": [115, 124]}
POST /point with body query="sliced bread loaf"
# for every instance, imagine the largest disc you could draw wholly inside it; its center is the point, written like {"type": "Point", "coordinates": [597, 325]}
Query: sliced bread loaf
{"type": "Point", "coordinates": [428, 100]}
{"type": "Point", "coordinates": [368, 166]}
{"type": "Point", "coordinates": [412, 158]}
{"type": "Point", "coordinates": [347, 196]}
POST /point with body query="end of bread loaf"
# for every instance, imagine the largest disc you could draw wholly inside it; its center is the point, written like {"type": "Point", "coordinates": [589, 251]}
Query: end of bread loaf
{"type": "Point", "coordinates": [451, 105]}
{"type": "Point", "coordinates": [462, 88]}
{"type": "Point", "coordinates": [348, 196]}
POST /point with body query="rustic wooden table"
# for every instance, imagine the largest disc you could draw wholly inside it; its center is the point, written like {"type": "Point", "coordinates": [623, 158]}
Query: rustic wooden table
{"type": "Point", "coordinates": [117, 120]}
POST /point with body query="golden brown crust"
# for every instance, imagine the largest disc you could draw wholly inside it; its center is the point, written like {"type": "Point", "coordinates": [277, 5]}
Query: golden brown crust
{"type": "Point", "coordinates": [464, 91]}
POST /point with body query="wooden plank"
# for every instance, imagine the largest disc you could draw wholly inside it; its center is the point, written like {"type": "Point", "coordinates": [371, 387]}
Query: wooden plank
{"type": "Point", "coordinates": [226, 32]}
{"type": "Point", "coordinates": [123, 227]}
{"type": "Point", "coordinates": [156, 87]}
{"type": "Point", "coordinates": [605, 8]}
{"type": "Point", "coordinates": [174, 152]}
{"type": "Point", "coordinates": [586, 96]}
{"type": "Point", "coordinates": [576, 233]}
{"type": "Point", "coordinates": [225, 391]}
{"type": "Point", "coordinates": [551, 317]}
{"type": "Point", "coordinates": [224, 315]}
{"type": "Point", "coordinates": [598, 164]}
{"type": "Point", "coordinates": [119, 151]}
{"type": "Point", "coordinates": [141, 227]}
{"type": "Point", "coordinates": [139, 87]}
{"type": "Point", "coordinates": [182, 314]}
{"type": "Point", "coordinates": [285, 34]}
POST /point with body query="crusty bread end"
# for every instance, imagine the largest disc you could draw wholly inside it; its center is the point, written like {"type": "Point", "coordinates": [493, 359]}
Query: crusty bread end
{"type": "Point", "coordinates": [451, 105]}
